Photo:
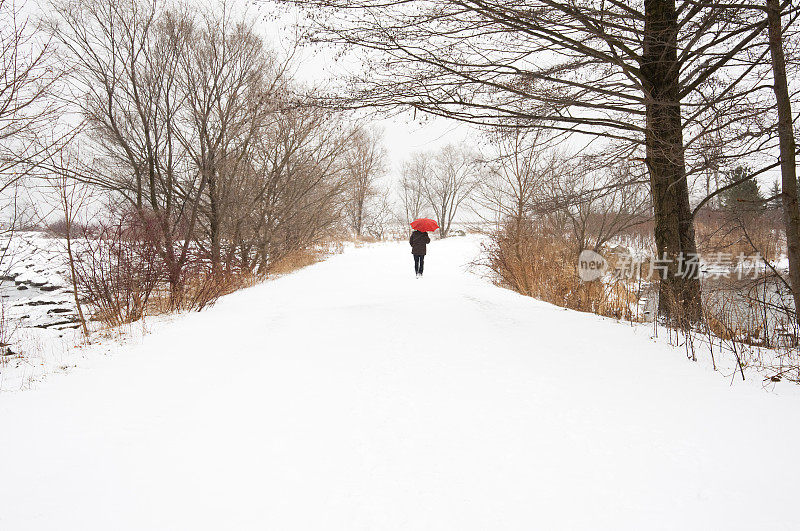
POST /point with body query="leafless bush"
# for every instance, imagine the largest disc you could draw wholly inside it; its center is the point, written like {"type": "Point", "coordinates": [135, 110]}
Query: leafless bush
{"type": "Point", "coordinates": [118, 271]}
{"type": "Point", "coordinates": [754, 319]}
{"type": "Point", "coordinates": [61, 229]}
{"type": "Point", "coordinates": [719, 231]}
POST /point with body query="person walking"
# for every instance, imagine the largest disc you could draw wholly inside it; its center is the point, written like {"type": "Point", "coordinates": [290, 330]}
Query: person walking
{"type": "Point", "coordinates": [419, 241]}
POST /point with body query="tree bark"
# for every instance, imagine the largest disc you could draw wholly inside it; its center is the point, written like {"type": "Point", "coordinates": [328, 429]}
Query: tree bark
{"type": "Point", "coordinates": [214, 221]}
{"type": "Point", "coordinates": [791, 209]}
{"type": "Point", "coordinates": [679, 294]}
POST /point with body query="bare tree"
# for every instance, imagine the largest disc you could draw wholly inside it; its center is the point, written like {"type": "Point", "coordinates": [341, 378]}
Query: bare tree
{"type": "Point", "coordinates": [453, 178]}
{"type": "Point", "coordinates": [126, 85]}
{"type": "Point", "coordinates": [590, 204]}
{"type": "Point", "coordinates": [298, 178]}
{"type": "Point", "coordinates": [414, 173]}
{"type": "Point", "coordinates": [29, 111]}
{"type": "Point", "coordinates": [366, 163]}
{"type": "Point", "coordinates": [521, 164]}
{"type": "Point", "coordinates": [231, 85]}
{"type": "Point", "coordinates": [27, 79]}
{"type": "Point", "coordinates": [73, 197]}
{"type": "Point", "coordinates": [381, 216]}
{"type": "Point", "coordinates": [176, 104]}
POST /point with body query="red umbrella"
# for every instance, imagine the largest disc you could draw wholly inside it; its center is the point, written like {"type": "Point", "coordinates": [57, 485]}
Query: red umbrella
{"type": "Point", "coordinates": [424, 225]}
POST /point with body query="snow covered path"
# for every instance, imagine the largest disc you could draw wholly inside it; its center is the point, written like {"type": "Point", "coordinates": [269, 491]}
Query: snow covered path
{"type": "Point", "coordinates": [323, 400]}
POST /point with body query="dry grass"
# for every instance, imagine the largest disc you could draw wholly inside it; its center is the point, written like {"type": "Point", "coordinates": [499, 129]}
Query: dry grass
{"type": "Point", "coordinates": [539, 265]}
{"type": "Point", "coordinates": [295, 260]}
{"type": "Point", "coordinates": [365, 240]}
{"type": "Point", "coordinates": [199, 291]}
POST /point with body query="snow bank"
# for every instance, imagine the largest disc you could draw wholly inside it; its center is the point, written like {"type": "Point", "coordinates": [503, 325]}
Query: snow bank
{"type": "Point", "coordinates": [350, 395]}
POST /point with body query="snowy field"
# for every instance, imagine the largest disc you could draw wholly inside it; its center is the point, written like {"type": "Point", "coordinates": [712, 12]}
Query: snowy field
{"type": "Point", "coordinates": [350, 396]}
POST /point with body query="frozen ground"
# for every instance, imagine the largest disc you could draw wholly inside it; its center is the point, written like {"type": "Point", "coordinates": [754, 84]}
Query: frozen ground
{"type": "Point", "coordinates": [33, 282]}
{"type": "Point", "coordinates": [38, 319]}
{"type": "Point", "coordinates": [351, 396]}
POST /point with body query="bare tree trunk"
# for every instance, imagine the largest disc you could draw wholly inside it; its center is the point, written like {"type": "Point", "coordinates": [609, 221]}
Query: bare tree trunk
{"type": "Point", "coordinates": [214, 222]}
{"type": "Point", "coordinates": [359, 217]}
{"type": "Point", "coordinates": [72, 200]}
{"type": "Point", "coordinates": [679, 296]}
{"type": "Point", "coordinates": [68, 214]}
{"type": "Point", "coordinates": [791, 209]}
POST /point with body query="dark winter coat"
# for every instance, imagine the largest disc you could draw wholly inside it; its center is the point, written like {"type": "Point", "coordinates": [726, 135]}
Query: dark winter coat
{"type": "Point", "coordinates": [418, 242]}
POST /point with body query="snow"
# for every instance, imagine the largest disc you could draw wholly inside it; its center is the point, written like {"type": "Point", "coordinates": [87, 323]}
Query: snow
{"type": "Point", "coordinates": [350, 395]}
{"type": "Point", "coordinates": [33, 282]}
{"type": "Point", "coordinates": [38, 317]}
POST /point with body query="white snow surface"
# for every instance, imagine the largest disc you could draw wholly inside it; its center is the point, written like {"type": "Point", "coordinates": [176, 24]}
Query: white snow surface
{"type": "Point", "coordinates": [350, 396]}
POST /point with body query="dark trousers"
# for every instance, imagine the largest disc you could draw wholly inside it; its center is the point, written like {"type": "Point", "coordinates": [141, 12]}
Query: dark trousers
{"type": "Point", "coordinates": [419, 263]}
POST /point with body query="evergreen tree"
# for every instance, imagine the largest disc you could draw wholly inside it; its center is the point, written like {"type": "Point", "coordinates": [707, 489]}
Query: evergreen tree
{"type": "Point", "coordinates": [744, 196]}
{"type": "Point", "coordinates": [775, 195]}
